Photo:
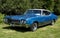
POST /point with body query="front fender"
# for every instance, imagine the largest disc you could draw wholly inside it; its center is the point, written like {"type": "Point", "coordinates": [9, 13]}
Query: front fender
{"type": "Point", "coordinates": [30, 21]}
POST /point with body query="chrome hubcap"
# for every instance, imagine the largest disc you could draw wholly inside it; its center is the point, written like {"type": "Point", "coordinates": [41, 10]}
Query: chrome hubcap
{"type": "Point", "coordinates": [34, 27]}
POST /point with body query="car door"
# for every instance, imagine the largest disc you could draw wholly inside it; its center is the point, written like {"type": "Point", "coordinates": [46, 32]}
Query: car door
{"type": "Point", "coordinates": [46, 17]}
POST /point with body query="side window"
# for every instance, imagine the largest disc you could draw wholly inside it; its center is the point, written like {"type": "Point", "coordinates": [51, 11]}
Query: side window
{"type": "Point", "coordinates": [46, 13]}
{"type": "Point", "coordinates": [37, 11]}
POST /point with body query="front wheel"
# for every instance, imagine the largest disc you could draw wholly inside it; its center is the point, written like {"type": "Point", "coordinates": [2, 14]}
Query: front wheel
{"type": "Point", "coordinates": [33, 27]}
{"type": "Point", "coordinates": [12, 25]}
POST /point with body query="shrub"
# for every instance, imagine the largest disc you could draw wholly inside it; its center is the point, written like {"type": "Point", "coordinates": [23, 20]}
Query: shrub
{"type": "Point", "coordinates": [1, 18]}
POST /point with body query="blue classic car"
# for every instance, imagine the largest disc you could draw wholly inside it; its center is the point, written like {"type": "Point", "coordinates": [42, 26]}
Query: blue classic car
{"type": "Point", "coordinates": [32, 18]}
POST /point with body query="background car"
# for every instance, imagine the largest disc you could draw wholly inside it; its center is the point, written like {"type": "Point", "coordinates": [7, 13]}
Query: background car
{"type": "Point", "coordinates": [32, 18]}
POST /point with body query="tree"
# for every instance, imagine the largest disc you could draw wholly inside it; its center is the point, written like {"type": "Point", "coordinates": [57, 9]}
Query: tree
{"type": "Point", "coordinates": [20, 6]}
{"type": "Point", "coordinates": [57, 7]}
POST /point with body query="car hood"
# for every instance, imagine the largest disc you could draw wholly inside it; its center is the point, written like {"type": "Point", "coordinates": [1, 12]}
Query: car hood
{"type": "Point", "coordinates": [19, 17]}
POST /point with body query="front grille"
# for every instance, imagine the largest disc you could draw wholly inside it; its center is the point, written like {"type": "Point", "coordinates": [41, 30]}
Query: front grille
{"type": "Point", "coordinates": [14, 21]}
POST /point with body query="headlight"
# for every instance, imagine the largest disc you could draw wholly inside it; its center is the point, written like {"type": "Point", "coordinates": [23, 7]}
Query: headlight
{"type": "Point", "coordinates": [23, 21]}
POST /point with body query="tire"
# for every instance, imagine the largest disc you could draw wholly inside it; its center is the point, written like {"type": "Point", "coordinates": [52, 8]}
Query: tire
{"type": "Point", "coordinates": [12, 25]}
{"type": "Point", "coordinates": [33, 27]}
{"type": "Point", "coordinates": [52, 22]}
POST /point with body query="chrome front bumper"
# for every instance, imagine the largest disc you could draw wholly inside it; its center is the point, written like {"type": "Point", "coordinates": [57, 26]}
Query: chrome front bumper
{"type": "Point", "coordinates": [19, 25]}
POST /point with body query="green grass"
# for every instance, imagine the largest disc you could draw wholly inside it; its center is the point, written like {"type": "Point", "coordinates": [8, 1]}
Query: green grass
{"type": "Point", "coordinates": [43, 32]}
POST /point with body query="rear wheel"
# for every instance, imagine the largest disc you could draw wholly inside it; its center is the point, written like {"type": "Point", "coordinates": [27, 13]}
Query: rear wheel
{"type": "Point", "coordinates": [52, 22]}
{"type": "Point", "coordinates": [34, 27]}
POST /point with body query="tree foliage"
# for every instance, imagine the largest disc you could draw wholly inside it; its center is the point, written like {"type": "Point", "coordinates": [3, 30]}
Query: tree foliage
{"type": "Point", "coordinates": [20, 6]}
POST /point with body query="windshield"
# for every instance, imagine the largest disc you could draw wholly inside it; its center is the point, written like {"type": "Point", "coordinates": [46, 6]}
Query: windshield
{"type": "Point", "coordinates": [33, 12]}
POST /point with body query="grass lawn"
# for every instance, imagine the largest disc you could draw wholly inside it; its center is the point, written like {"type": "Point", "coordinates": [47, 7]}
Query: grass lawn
{"type": "Point", "coordinates": [42, 32]}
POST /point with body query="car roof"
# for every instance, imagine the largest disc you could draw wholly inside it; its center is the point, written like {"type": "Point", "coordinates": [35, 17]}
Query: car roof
{"type": "Point", "coordinates": [36, 9]}
{"type": "Point", "coordinates": [39, 9]}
